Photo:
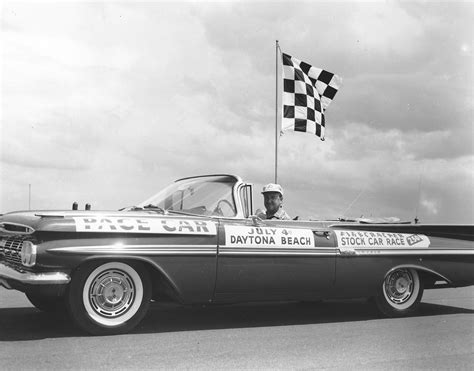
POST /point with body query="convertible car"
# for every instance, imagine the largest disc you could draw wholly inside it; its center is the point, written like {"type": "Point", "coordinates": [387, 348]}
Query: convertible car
{"type": "Point", "coordinates": [197, 241]}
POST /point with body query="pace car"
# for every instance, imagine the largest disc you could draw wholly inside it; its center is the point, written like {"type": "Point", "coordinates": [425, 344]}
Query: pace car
{"type": "Point", "coordinates": [198, 241]}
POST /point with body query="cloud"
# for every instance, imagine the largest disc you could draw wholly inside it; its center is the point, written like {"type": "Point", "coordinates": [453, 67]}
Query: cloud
{"type": "Point", "coordinates": [392, 79]}
{"type": "Point", "coordinates": [360, 139]}
{"type": "Point", "coordinates": [430, 206]}
{"type": "Point", "coordinates": [106, 103]}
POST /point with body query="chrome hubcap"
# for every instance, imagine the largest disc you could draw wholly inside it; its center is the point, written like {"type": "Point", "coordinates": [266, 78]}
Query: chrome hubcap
{"type": "Point", "coordinates": [111, 293]}
{"type": "Point", "coordinates": [399, 286]}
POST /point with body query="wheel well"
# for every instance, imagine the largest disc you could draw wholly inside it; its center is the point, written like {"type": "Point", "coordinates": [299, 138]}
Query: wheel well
{"type": "Point", "coordinates": [162, 288]}
{"type": "Point", "coordinates": [428, 276]}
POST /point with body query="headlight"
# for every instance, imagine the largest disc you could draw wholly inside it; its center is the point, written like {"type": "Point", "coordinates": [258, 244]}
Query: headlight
{"type": "Point", "coordinates": [28, 254]}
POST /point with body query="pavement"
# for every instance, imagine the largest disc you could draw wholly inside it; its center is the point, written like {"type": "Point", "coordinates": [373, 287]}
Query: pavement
{"type": "Point", "coordinates": [328, 335]}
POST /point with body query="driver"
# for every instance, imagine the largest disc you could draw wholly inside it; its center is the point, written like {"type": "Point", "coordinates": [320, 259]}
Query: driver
{"type": "Point", "coordinates": [273, 200]}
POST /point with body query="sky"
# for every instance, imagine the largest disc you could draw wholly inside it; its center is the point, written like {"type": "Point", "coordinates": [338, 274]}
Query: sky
{"type": "Point", "coordinates": [108, 102]}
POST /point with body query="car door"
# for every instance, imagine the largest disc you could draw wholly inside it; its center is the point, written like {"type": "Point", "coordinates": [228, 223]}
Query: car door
{"type": "Point", "coordinates": [273, 260]}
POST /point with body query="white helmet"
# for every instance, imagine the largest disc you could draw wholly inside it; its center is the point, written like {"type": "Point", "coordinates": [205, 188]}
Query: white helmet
{"type": "Point", "coordinates": [272, 187]}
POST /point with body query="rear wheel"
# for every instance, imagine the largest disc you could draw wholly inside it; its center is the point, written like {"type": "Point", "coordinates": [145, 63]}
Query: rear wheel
{"type": "Point", "coordinates": [109, 298]}
{"type": "Point", "coordinates": [400, 293]}
{"type": "Point", "coordinates": [50, 304]}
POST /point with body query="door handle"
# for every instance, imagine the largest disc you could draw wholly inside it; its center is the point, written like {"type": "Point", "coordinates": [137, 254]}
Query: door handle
{"type": "Point", "coordinates": [326, 234]}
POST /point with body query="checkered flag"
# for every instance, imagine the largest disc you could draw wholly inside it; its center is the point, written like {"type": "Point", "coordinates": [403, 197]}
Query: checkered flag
{"type": "Point", "coordinates": [307, 92]}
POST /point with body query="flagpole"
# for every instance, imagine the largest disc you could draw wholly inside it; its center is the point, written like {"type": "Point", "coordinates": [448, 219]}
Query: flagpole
{"type": "Point", "coordinates": [276, 112]}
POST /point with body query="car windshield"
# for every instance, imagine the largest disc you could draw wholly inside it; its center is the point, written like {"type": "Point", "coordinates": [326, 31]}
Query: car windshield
{"type": "Point", "coordinates": [210, 196]}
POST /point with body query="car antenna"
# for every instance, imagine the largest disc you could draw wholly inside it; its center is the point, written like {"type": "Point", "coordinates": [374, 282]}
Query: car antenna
{"type": "Point", "coordinates": [419, 197]}
{"type": "Point", "coordinates": [354, 201]}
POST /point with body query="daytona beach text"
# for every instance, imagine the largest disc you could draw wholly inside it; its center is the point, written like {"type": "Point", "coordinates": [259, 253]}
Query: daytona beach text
{"type": "Point", "coordinates": [269, 240]}
{"type": "Point", "coordinates": [264, 236]}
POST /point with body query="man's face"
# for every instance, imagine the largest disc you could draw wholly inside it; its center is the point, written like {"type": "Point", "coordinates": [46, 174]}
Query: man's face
{"type": "Point", "coordinates": [272, 201]}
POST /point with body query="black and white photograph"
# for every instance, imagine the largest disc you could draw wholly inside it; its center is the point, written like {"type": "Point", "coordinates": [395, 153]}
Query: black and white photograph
{"type": "Point", "coordinates": [243, 185]}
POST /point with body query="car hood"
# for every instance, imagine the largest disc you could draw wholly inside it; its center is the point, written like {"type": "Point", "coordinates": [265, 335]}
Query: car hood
{"type": "Point", "coordinates": [66, 220]}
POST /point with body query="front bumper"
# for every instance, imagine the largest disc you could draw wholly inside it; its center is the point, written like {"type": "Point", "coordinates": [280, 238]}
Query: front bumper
{"type": "Point", "coordinates": [12, 279]}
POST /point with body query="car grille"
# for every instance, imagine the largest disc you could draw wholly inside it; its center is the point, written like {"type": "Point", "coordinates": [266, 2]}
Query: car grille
{"type": "Point", "coordinates": [10, 252]}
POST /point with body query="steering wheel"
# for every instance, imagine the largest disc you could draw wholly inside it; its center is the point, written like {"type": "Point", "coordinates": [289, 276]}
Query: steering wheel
{"type": "Point", "coordinates": [218, 209]}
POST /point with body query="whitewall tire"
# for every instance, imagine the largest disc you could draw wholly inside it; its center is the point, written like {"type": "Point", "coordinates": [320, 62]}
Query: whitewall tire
{"type": "Point", "coordinates": [109, 298]}
{"type": "Point", "coordinates": [400, 292]}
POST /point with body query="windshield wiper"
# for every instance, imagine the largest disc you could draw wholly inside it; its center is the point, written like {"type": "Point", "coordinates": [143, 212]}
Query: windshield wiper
{"type": "Point", "coordinates": [154, 208]}
{"type": "Point", "coordinates": [147, 207]}
{"type": "Point", "coordinates": [131, 208]}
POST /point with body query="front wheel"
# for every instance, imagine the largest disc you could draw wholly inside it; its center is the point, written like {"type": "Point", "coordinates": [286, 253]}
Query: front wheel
{"type": "Point", "coordinates": [400, 293]}
{"type": "Point", "coordinates": [109, 298]}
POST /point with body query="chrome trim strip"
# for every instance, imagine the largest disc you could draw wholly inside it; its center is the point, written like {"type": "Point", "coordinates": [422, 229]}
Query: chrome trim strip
{"type": "Point", "coordinates": [139, 249]}
{"type": "Point", "coordinates": [50, 278]}
{"type": "Point", "coordinates": [147, 252]}
{"type": "Point", "coordinates": [337, 252]}
{"type": "Point", "coordinates": [223, 250]}
{"type": "Point", "coordinates": [277, 252]}
{"type": "Point", "coordinates": [391, 252]}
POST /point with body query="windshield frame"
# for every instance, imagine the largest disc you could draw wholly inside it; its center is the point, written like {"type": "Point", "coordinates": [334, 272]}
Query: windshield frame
{"type": "Point", "coordinates": [236, 182]}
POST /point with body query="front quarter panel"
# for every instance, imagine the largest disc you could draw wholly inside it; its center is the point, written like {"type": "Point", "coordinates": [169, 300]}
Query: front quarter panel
{"type": "Point", "coordinates": [180, 249]}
